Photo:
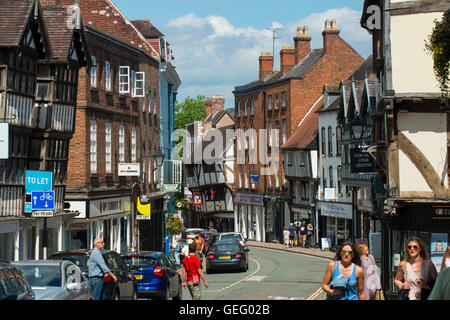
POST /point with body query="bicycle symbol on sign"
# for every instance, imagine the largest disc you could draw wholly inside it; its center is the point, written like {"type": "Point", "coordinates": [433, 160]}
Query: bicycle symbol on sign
{"type": "Point", "coordinates": [46, 196]}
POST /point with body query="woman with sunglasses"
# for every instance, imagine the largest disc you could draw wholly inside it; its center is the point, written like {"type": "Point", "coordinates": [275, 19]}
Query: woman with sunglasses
{"type": "Point", "coordinates": [344, 277]}
{"type": "Point", "coordinates": [416, 274]}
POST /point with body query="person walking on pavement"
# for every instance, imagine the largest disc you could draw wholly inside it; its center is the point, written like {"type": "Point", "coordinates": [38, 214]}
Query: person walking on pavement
{"type": "Point", "coordinates": [291, 235]}
{"type": "Point", "coordinates": [97, 270]}
{"type": "Point", "coordinates": [416, 274]}
{"type": "Point", "coordinates": [200, 246]}
{"type": "Point", "coordinates": [372, 281]}
{"type": "Point", "coordinates": [286, 235]}
{"type": "Point", "coordinates": [344, 276]}
{"type": "Point", "coordinates": [310, 234]}
{"type": "Point", "coordinates": [192, 272]}
{"type": "Point", "coordinates": [177, 250]}
{"type": "Point", "coordinates": [446, 259]}
{"type": "Point", "coordinates": [441, 289]}
{"type": "Point", "coordinates": [303, 234]}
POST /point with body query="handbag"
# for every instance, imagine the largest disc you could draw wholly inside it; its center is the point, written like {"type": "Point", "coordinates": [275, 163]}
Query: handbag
{"type": "Point", "coordinates": [403, 294]}
{"type": "Point", "coordinates": [195, 277]}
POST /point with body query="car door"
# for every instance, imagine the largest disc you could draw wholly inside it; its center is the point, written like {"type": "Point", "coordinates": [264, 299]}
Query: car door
{"type": "Point", "coordinates": [172, 275]}
{"type": "Point", "coordinates": [126, 278]}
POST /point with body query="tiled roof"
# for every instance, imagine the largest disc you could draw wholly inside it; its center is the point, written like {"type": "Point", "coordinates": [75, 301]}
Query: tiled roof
{"type": "Point", "coordinates": [105, 16]}
{"type": "Point", "coordinates": [13, 19]}
{"type": "Point", "coordinates": [61, 37]}
{"type": "Point", "coordinates": [332, 106]}
{"type": "Point", "coordinates": [147, 29]}
{"type": "Point", "coordinates": [300, 70]}
{"type": "Point", "coordinates": [365, 69]}
{"type": "Point", "coordinates": [306, 132]}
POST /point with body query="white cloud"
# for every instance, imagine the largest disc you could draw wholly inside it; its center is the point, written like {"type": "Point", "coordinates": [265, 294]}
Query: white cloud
{"type": "Point", "coordinates": [212, 56]}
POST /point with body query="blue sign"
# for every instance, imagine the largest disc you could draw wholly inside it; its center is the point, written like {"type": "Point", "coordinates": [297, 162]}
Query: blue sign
{"type": "Point", "coordinates": [43, 200]}
{"type": "Point", "coordinates": [36, 181]}
{"type": "Point", "coordinates": [253, 178]}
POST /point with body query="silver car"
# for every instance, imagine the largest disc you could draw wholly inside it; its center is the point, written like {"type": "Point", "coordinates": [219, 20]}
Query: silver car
{"type": "Point", "coordinates": [55, 280]}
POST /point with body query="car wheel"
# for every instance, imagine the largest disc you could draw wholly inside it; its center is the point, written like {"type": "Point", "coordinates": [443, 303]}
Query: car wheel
{"type": "Point", "coordinates": [179, 296]}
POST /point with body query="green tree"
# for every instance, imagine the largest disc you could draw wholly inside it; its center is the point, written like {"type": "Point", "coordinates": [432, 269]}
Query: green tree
{"type": "Point", "coordinates": [188, 111]}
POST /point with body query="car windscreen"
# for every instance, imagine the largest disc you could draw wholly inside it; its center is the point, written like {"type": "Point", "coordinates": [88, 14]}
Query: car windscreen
{"type": "Point", "coordinates": [139, 262]}
{"type": "Point", "coordinates": [80, 260]}
{"type": "Point", "coordinates": [231, 237]}
{"type": "Point", "coordinates": [226, 247]}
{"type": "Point", "coordinates": [42, 276]}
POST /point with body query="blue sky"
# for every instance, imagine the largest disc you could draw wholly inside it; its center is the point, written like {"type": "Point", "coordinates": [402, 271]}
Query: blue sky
{"type": "Point", "coordinates": [216, 43]}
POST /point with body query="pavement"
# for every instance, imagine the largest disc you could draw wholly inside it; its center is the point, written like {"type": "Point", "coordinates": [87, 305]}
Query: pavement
{"type": "Point", "coordinates": [316, 252]}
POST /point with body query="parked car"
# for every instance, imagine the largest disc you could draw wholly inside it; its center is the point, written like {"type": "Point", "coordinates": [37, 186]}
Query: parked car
{"type": "Point", "coordinates": [13, 285]}
{"type": "Point", "coordinates": [55, 280]}
{"type": "Point", "coordinates": [124, 289]}
{"type": "Point", "coordinates": [191, 232]}
{"type": "Point", "coordinates": [156, 275]}
{"type": "Point", "coordinates": [234, 236]}
{"type": "Point", "coordinates": [227, 254]}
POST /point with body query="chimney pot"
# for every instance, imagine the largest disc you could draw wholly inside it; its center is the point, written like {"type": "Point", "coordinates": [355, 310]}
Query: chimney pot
{"type": "Point", "coordinates": [330, 36]}
{"type": "Point", "coordinates": [265, 65]}
{"type": "Point", "coordinates": [302, 41]}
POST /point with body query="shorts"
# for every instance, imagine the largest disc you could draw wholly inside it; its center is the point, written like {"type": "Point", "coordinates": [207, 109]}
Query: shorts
{"type": "Point", "coordinates": [195, 290]}
{"type": "Point", "coordinates": [291, 237]}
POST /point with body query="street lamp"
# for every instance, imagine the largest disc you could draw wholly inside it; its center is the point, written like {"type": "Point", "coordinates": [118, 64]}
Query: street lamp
{"type": "Point", "coordinates": [159, 158]}
{"type": "Point", "coordinates": [357, 126]}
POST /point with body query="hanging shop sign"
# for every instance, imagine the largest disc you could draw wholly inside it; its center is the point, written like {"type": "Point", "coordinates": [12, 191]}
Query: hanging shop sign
{"type": "Point", "coordinates": [197, 199]}
{"type": "Point", "coordinates": [144, 210]}
{"type": "Point", "coordinates": [171, 187]}
{"type": "Point", "coordinates": [361, 162]}
{"type": "Point", "coordinates": [254, 178]}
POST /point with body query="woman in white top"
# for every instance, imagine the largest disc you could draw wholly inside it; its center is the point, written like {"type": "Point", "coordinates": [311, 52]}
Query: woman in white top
{"type": "Point", "coordinates": [286, 234]}
{"type": "Point", "coordinates": [446, 259]}
{"type": "Point", "coordinates": [416, 273]}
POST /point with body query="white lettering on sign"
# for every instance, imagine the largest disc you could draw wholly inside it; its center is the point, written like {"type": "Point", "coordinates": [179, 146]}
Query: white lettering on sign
{"type": "Point", "coordinates": [34, 180]}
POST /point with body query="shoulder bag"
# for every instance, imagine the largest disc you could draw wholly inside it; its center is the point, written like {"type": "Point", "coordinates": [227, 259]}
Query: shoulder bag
{"type": "Point", "coordinates": [195, 277]}
{"type": "Point", "coordinates": [403, 294]}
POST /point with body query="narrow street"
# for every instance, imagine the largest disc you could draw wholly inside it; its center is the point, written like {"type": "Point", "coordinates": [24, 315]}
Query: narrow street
{"type": "Point", "coordinates": [272, 275]}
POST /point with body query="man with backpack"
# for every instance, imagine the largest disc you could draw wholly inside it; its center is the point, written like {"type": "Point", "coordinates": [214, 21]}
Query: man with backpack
{"type": "Point", "coordinates": [192, 272]}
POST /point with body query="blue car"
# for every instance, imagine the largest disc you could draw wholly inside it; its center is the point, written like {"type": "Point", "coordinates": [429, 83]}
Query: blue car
{"type": "Point", "coordinates": [156, 275]}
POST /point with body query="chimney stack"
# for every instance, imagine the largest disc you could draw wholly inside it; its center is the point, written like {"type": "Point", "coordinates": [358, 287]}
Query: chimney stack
{"type": "Point", "coordinates": [287, 59]}
{"type": "Point", "coordinates": [302, 41]}
{"type": "Point", "coordinates": [265, 65]}
{"type": "Point", "coordinates": [330, 37]}
{"type": "Point", "coordinates": [214, 104]}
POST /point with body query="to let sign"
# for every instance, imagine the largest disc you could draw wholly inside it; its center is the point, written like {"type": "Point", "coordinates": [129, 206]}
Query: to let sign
{"type": "Point", "coordinates": [361, 162]}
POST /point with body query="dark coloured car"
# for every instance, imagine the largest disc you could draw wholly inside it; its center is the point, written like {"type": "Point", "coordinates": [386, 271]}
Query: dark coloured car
{"type": "Point", "coordinates": [227, 254]}
{"type": "Point", "coordinates": [155, 274]}
{"type": "Point", "coordinates": [13, 284]}
{"type": "Point", "coordinates": [125, 287]}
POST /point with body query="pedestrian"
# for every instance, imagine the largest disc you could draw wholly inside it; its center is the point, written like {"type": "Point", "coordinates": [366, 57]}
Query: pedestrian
{"type": "Point", "coordinates": [310, 235]}
{"type": "Point", "coordinates": [303, 234]}
{"type": "Point", "coordinates": [286, 235]}
{"type": "Point", "coordinates": [416, 274]}
{"type": "Point", "coordinates": [200, 246]}
{"type": "Point", "coordinates": [344, 276]}
{"type": "Point", "coordinates": [372, 281]}
{"type": "Point", "coordinates": [441, 289]}
{"type": "Point", "coordinates": [446, 259]}
{"type": "Point", "coordinates": [177, 250]}
{"type": "Point", "coordinates": [97, 270]}
{"type": "Point", "coordinates": [192, 272]}
{"type": "Point", "coordinates": [291, 235]}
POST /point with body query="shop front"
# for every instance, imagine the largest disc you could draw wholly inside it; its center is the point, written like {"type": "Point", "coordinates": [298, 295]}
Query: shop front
{"type": "Point", "coordinates": [335, 221]}
{"type": "Point", "coordinates": [428, 221]}
{"type": "Point", "coordinates": [249, 216]}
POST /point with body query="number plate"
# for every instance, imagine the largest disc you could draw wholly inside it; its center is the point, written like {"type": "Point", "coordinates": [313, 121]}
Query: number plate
{"type": "Point", "coordinates": [138, 276]}
{"type": "Point", "coordinates": [225, 258]}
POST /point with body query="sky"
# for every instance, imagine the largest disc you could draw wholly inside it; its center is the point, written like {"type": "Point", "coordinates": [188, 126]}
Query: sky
{"type": "Point", "coordinates": [217, 43]}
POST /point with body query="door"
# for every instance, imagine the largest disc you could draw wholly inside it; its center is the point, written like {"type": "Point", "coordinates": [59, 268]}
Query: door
{"type": "Point", "coordinates": [172, 275]}
{"type": "Point", "coordinates": [126, 280]}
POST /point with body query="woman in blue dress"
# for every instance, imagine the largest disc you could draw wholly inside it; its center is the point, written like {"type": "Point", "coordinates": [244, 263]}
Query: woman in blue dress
{"type": "Point", "coordinates": [344, 277]}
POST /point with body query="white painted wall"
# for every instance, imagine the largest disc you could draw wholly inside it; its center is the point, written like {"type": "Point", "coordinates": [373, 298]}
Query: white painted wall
{"type": "Point", "coordinates": [421, 129]}
{"type": "Point", "coordinates": [412, 66]}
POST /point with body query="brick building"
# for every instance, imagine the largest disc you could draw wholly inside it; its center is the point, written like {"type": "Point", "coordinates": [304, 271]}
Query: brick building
{"type": "Point", "coordinates": [40, 57]}
{"type": "Point", "coordinates": [278, 100]}
{"type": "Point", "coordinates": [117, 124]}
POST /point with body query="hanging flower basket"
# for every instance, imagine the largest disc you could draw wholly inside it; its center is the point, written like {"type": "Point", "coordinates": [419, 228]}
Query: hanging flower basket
{"type": "Point", "coordinates": [438, 45]}
{"type": "Point", "coordinates": [174, 225]}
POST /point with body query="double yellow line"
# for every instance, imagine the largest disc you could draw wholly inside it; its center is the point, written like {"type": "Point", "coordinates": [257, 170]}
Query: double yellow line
{"type": "Point", "coordinates": [315, 294]}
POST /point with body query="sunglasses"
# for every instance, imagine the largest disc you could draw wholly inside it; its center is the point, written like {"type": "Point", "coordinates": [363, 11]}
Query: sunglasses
{"type": "Point", "coordinates": [344, 252]}
{"type": "Point", "coordinates": [413, 247]}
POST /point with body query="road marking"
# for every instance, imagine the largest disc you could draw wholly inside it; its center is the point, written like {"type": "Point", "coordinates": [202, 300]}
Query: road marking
{"type": "Point", "coordinates": [285, 298]}
{"type": "Point", "coordinates": [315, 294]}
{"type": "Point", "coordinates": [245, 279]}
{"type": "Point", "coordinates": [256, 278]}
{"type": "Point", "coordinates": [300, 253]}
